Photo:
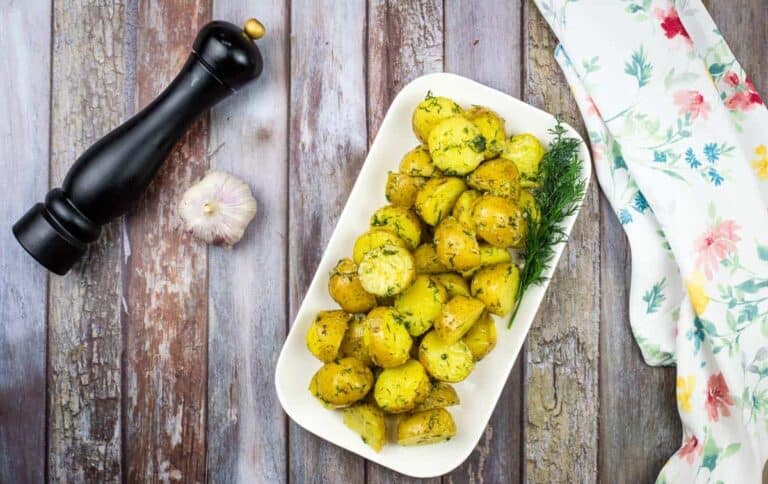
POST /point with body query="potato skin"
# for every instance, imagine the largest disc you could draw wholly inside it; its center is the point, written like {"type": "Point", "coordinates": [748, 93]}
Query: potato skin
{"type": "Point", "coordinates": [481, 337]}
{"type": "Point", "coordinates": [496, 286]}
{"type": "Point", "coordinates": [340, 384]}
{"type": "Point", "coordinates": [353, 343]}
{"type": "Point", "coordinates": [368, 421]}
{"type": "Point", "coordinates": [527, 201]}
{"type": "Point", "coordinates": [456, 146]}
{"type": "Point", "coordinates": [420, 304]}
{"type": "Point", "coordinates": [457, 316]}
{"type": "Point", "coordinates": [417, 162]}
{"type": "Point", "coordinates": [489, 255]}
{"type": "Point", "coordinates": [372, 239]}
{"type": "Point", "coordinates": [456, 245]}
{"type": "Point", "coordinates": [436, 198]}
{"type": "Point", "coordinates": [462, 209]}
{"type": "Point", "coordinates": [442, 395]}
{"type": "Point", "coordinates": [430, 112]}
{"type": "Point", "coordinates": [388, 341]}
{"type": "Point", "coordinates": [345, 288]}
{"type": "Point", "coordinates": [491, 126]}
{"type": "Point", "coordinates": [426, 260]}
{"type": "Point", "coordinates": [400, 389]}
{"type": "Point", "coordinates": [454, 284]}
{"type": "Point", "coordinates": [526, 151]}
{"type": "Point", "coordinates": [499, 221]}
{"type": "Point", "coordinates": [498, 177]}
{"type": "Point", "coordinates": [445, 362]}
{"type": "Point", "coordinates": [427, 427]}
{"type": "Point", "coordinates": [401, 189]}
{"type": "Point", "coordinates": [386, 270]}
{"type": "Point", "coordinates": [326, 333]}
{"type": "Point", "coordinates": [400, 220]}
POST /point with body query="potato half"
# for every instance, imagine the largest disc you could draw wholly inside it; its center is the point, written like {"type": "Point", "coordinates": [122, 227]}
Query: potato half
{"type": "Point", "coordinates": [481, 337]}
{"type": "Point", "coordinates": [368, 421]}
{"type": "Point", "coordinates": [499, 221]}
{"type": "Point", "coordinates": [427, 427]}
{"type": "Point", "coordinates": [345, 288]}
{"type": "Point", "coordinates": [420, 304]}
{"type": "Point", "coordinates": [491, 126]}
{"type": "Point", "coordinates": [417, 162]}
{"type": "Point", "coordinates": [340, 384]}
{"type": "Point", "coordinates": [456, 245]}
{"type": "Point", "coordinates": [426, 260]}
{"type": "Point", "coordinates": [454, 284]}
{"type": "Point", "coordinates": [457, 316]}
{"type": "Point", "coordinates": [462, 209]}
{"type": "Point", "coordinates": [456, 146]}
{"type": "Point", "coordinates": [430, 112]}
{"type": "Point", "coordinates": [401, 189]}
{"type": "Point", "coordinates": [326, 333]}
{"type": "Point", "coordinates": [388, 341]}
{"type": "Point", "coordinates": [442, 395]}
{"type": "Point", "coordinates": [353, 343]}
{"type": "Point", "coordinates": [526, 151]}
{"type": "Point", "coordinates": [445, 362]}
{"type": "Point", "coordinates": [400, 220]}
{"type": "Point", "coordinates": [497, 177]}
{"type": "Point", "coordinates": [387, 270]}
{"type": "Point", "coordinates": [400, 389]}
{"type": "Point", "coordinates": [496, 287]}
{"type": "Point", "coordinates": [436, 198]}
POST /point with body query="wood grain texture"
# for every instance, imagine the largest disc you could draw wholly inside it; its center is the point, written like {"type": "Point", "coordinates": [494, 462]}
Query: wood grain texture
{"type": "Point", "coordinates": [165, 270]}
{"type": "Point", "coordinates": [327, 146]}
{"type": "Point", "coordinates": [84, 307]}
{"type": "Point", "coordinates": [561, 377]}
{"type": "Point", "coordinates": [482, 42]}
{"type": "Point", "coordinates": [24, 99]}
{"type": "Point", "coordinates": [247, 322]}
{"type": "Point", "coordinates": [405, 40]}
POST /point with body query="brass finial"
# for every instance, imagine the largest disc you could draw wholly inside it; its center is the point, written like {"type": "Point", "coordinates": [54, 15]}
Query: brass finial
{"type": "Point", "coordinates": [254, 29]}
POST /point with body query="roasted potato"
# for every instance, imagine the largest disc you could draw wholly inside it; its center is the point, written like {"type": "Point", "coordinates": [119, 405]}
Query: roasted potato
{"type": "Point", "coordinates": [481, 337]}
{"type": "Point", "coordinates": [498, 221]}
{"type": "Point", "coordinates": [526, 151]}
{"type": "Point", "coordinates": [440, 396]}
{"type": "Point", "coordinates": [420, 304]}
{"type": "Point", "coordinates": [345, 288]}
{"type": "Point", "coordinates": [326, 333]}
{"type": "Point", "coordinates": [417, 162]}
{"type": "Point", "coordinates": [489, 255]}
{"type": "Point", "coordinates": [400, 220]}
{"type": "Point", "coordinates": [496, 287]}
{"type": "Point", "coordinates": [400, 389]}
{"type": "Point", "coordinates": [462, 209]}
{"type": "Point", "coordinates": [387, 340]}
{"type": "Point", "coordinates": [491, 126]}
{"type": "Point", "coordinates": [445, 362]}
{"type": "Point", "coordinates": [456, 146]}
{"type": "Point", "coordinates": [456, 245]}
{"type": "Point", "coordinates": [353, 343]}
{"type": "Point", "coordinates": [457, 316]}
{"type": "Point", "coordinates": [368, 421]}
{"type": "Point", "coordinates": [401, 189]}
{"type": "Point", "coordinates": [386, 270]}
{"type": "Point", "coordinates": [430, 112]}
{"type": "Point", "coordinates": [454, 284]}
{"type": "Point", "coordinates": [426, 260]}
{"type": "Point", "coordinates": [436, 198]}
{"type": "Point", "coordinates": [372, 239]}
{"type": "Point", "coordinates": [340, 384]}
{"type": "Point", "coordinates": [427, 427]}
{"type": "Point", "coordinates": [497, 177]}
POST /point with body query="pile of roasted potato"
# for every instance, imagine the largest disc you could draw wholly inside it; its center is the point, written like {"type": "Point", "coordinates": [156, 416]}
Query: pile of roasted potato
{"type": "Point", "coordinates": [418, 293]}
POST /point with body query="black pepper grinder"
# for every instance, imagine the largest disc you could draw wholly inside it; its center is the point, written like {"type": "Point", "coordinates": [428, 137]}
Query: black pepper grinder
{"type": "Point", "coordinates": [113, 173]}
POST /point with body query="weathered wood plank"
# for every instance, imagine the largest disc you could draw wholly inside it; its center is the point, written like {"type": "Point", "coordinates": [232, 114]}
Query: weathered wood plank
{"type": "Point", "coordinates": [84, 334]}
{"type": "Point", "coordinates": [327, 146]}
{"type": "Point", "coordinates": [25, 71]}
{"type": "Point", "coordinates": [482, 41]}
{"type": "Point", "coordinates": [166, 308]}
{"type": "Point", "coordinates": [405, 40]}
{"type": "Point", "coordinates": [561, 376]}
{"type": "Point", "coordinates": [246, 437]}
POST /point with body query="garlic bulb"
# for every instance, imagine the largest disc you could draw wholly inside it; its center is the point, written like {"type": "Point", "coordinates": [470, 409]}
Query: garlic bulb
{"type": "Point", "coordinates": [218, 208]}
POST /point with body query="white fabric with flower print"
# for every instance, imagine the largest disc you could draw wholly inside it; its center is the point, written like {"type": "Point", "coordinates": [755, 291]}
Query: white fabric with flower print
{"type": "Point", "coordinates": [679, 137]}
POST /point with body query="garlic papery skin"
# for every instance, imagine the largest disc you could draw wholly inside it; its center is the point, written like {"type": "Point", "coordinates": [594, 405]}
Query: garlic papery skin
{"type": "Point", "coordinates": [218, 208]}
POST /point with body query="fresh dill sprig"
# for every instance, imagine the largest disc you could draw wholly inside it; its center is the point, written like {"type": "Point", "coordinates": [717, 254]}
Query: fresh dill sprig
{"type": "Point", "coordinates": [560, 189]}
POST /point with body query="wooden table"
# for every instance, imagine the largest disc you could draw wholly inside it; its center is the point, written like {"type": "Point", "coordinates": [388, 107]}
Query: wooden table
{"type": "Point", "coordinates": [153, 360]}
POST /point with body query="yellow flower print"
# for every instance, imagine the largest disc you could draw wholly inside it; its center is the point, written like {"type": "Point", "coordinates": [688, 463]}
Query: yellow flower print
{"type": "Point", "coordinates": [760, 165]}
{"type": "Point", "coordinates": [697, 293]}
{"type": "Point", "coordinates": [685, 386]}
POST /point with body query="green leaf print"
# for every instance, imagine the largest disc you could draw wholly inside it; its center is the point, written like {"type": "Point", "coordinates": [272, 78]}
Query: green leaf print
{"type": "Point", "coordinates": [639, 67]}
{"type": "Point", "coordinates": [654, 297]}
{"type": "Point", "coordinates": [711, 454]}
{"type": "Point", "coordinates": [762, 252]}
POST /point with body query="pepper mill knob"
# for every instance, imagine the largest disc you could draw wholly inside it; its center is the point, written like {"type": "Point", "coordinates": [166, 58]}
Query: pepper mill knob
{"type": "Point", "coordinates": [108, 179]}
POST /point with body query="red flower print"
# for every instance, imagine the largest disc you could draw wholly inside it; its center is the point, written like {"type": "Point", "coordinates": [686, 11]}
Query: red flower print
{"type": "Point", "coordinates": [690, 448]}
{"type": "Point", "coordinates": [731, 79]}
{"type": "Point", "coordinates": [718, 397]}
{"type": "Point", "coordinates": [745, 99]}
{"type": "Point", "coordinates": [592, 109]}
{"type": "Point", "coordinates": [671, 24]}
{"type": "Point", "coordinates": [714, 245]}
{"type": "Point", "coordinates": [597, 151]}
{"type": "Point", "coordinates": [693, 103]}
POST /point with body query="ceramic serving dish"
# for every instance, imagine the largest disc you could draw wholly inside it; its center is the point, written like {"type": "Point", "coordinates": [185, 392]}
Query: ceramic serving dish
{"type": "Point", "coordinates": [480, 392]}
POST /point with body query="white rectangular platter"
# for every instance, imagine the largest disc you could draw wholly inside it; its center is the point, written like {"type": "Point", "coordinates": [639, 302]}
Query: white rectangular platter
{"type": "Point", "coordinates": [480, 392]}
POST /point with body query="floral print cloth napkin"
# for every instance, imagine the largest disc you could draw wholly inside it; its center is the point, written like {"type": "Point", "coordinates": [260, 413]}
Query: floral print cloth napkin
{"type": "Point", "coordinates": [679, 135]}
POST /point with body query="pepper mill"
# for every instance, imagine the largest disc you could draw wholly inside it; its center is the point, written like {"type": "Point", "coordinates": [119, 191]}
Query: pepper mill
{"type": "Point", "coordinates": [113, 173]}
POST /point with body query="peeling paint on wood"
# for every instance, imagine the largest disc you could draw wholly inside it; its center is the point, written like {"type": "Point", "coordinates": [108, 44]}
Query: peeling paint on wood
{"type": "Point", "coordinates": [166, 277]}
{"type": "Point", "coordinates": [247, 322]}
